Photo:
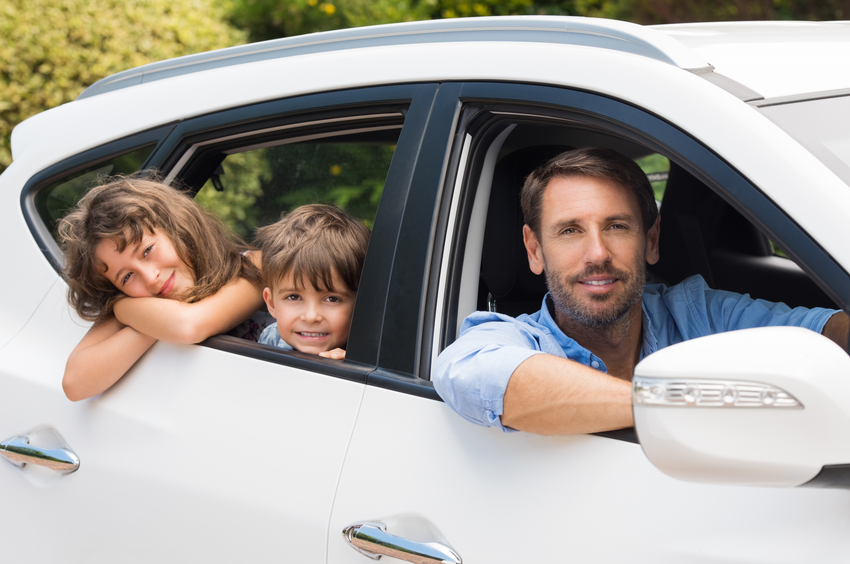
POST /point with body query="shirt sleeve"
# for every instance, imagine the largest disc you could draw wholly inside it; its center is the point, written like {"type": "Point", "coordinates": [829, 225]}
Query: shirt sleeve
{"type": "Point", "coordinates": [473, 372]}
{"type": "Point", "coordinates": [271, 336]}
{"type": "Point", "coordinates": [728, 311]}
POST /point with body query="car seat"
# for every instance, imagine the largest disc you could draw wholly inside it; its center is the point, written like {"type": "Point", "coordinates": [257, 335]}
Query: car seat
{"type": "Point", "coordinates": [507, 284]}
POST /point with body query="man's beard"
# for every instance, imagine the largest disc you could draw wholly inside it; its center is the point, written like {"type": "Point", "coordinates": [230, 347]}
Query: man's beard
{"type": "Point", "coordinates": [610, 308]}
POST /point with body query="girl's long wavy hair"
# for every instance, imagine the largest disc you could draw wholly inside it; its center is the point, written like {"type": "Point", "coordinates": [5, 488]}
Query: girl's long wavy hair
{"type": "Point", "coordinates": [124, 209]}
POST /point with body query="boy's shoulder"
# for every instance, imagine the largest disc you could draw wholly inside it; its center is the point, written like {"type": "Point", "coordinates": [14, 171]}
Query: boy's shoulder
{"type": "Point", "coordinates": [271, 336]}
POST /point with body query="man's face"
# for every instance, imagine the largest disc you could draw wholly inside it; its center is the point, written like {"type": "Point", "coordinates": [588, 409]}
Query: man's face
{"type": "Point", "coordinates": [593, 249]}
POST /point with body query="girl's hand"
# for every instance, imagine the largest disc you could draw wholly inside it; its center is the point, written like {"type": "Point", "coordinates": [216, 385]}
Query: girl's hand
{"type": "Point", "coordinates": [336, 354]}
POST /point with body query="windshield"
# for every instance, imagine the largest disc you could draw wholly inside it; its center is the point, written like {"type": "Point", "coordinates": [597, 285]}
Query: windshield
{"type": "Point", "coordinates": [822, 126]}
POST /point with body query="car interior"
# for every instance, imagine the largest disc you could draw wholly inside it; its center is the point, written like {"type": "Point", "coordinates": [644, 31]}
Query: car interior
{"type": "Point", "coordinates": [701, 232]}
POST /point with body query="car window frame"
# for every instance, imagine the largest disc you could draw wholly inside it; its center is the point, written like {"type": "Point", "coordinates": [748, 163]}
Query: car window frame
{"type": "Point", "coordinates": [172, 141]}
{"type": "Point", "coordinates": [630, 123]}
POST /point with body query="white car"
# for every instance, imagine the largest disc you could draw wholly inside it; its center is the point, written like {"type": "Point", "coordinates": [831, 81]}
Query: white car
{"type": "Point", "coordinates": [231, 451]}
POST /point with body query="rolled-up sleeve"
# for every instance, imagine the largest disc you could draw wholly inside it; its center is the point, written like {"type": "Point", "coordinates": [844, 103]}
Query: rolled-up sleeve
{"type": "Point", "coordinates": [728, 311]}
{"type": "Point", "coordinates": [691, 309]}
{"type": "Point", "coordinates": [473, 372]}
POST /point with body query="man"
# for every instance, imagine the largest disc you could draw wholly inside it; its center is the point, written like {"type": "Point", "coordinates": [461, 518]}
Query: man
{"type": "Point", "coordinates": [592, 225]}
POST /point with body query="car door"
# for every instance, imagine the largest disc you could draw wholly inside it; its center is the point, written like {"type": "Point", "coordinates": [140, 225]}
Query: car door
{"type": "Point", "coordinates": [225, 451]}
{"type": "Point", "coordinates": [420, 480]}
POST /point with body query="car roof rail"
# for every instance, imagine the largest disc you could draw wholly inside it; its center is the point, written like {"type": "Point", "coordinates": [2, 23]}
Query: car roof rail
{"type": "Point", "coordinates": [589, 32]}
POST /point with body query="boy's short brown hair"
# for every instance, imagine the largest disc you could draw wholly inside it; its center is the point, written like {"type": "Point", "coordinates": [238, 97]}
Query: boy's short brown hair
{"type": "Point", "coordinates": [312, 242]}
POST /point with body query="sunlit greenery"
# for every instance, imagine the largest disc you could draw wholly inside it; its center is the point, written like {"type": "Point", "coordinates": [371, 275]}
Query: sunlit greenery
{"type": "Point", "coordinates": [269, 19]}
{"type": "Point", "coordinates": [656, 167]}
{"type": "Point", "coordinates": [241, 184]}
{"type": "Point", "coordinates": [258, 185]}
{"type": "Point", "coordinates": [53, 49]}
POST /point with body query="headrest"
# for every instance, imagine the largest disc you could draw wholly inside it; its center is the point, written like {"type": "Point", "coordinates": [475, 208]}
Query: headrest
{"type": "Point", "coordinates": [504, 262]}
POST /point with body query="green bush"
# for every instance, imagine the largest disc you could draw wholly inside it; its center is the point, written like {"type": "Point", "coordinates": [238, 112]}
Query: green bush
{"type": "Point", "coordinates": [53, 49]}
{"type": "Point", "coordinates": [270, 19]}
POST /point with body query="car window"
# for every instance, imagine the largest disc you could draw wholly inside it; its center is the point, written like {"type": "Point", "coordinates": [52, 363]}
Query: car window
{"type": "Point", "coordinates": [249, 178]}
{"type": "Point", "coordinates": [657, 169]}
{"type": "Point", "coordinates": [53, 201]}
{"type": "Point", "coordinates": [701, 232]}
{"type": "Point", "coordinates": [253, 187]}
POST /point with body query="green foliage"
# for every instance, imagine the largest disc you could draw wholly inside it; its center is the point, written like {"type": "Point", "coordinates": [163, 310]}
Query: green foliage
{"type": "Point", "coordinates": [270, 19]}
{"type": "Point", "coordinates": [346, 174]}
{"type": "Point", "coordinates": [677, 11]}
{"type": "Point", "coordinates": [258, 185]}
{"type": "Point", "coordinates": [659, 165]}
{"type": "Point", "coordinates": [241, 183]}
{"type": "Point", "coordinates": [53, 49]}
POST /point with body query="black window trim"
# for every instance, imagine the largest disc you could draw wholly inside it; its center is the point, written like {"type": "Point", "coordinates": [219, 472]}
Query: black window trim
{"type": "Point", "coordinates": [414, 101]}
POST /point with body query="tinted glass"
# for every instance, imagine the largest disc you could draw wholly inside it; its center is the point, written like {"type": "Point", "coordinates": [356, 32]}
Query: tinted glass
{"type": "Point", "coordinates": [252, 188]}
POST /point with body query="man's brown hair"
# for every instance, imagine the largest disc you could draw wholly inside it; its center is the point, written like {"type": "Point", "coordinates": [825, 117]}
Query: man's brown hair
{"type": "Point", "coordinates": [597, 162]}
{"type": "Point", "coordinates": [123, 210]}
{"type": "Point", "coordinates": [311, 243]}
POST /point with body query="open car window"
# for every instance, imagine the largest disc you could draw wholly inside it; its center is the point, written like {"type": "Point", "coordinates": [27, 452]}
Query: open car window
{"type": "Point", "coordinates": [252, 187]}
{"type": "Point", "coordinates": [702, 233]}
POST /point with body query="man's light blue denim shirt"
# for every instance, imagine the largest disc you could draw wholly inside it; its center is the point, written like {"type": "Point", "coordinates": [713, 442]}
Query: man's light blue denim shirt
{"type": "Point", "coordinates": [473, 372]}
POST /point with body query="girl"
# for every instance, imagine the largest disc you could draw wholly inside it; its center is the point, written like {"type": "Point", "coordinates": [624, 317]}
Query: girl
{"type": "Point", "coordinates": [144, 262]}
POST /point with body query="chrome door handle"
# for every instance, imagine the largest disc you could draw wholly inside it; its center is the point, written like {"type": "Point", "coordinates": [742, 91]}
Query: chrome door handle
{"type": "Point", "coordinates": [371, 539]}
{"type": "Point", "coordinates": [19, 451]}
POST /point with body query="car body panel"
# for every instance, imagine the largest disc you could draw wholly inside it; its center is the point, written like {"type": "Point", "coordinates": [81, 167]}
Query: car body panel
{"type": "Point", "coordinates": [193, 448]}
{"type": "Point", "coordinates": [27, 276]}
{"type": "Point", "coordinates": [773, 58]}
{"type": "Point", "coordinates": [523, 497]}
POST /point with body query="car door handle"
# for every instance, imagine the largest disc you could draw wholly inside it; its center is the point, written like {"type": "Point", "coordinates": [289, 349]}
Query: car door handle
{"type": "Point", "coordinates": [372, 539]}
{"type": "Point", "coordinates": [19, 451]}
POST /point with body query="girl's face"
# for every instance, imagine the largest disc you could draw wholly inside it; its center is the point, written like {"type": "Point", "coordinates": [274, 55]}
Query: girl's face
{"type": "Point", "coordinates": [149, 268]}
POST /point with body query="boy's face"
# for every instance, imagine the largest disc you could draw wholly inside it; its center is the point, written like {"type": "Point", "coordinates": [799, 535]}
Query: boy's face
{"type": "Point", "coordinates": [311, 320]}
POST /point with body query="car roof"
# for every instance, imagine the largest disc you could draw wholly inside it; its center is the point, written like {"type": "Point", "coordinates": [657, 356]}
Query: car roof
{"type": "Point", "coordinates": [588, 32]}
{"type": "Point", "coordinates": [760, 59]}
{"type": "Point", "coordinates": [788, 59]}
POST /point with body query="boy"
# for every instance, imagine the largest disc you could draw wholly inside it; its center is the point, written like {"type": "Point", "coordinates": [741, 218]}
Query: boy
{"type": "Point", "coordinates": [312, 259]}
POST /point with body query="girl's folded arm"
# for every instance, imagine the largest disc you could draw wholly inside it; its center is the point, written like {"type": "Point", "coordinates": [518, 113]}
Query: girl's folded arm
{"type": "Point", "coordinates": [184, 323]}
{"type": "Point", "coordinates": [99, 360]}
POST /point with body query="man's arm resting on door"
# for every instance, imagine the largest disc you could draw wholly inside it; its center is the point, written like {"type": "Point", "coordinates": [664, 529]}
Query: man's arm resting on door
{"type": "Point", "coordinates": [548, 395]}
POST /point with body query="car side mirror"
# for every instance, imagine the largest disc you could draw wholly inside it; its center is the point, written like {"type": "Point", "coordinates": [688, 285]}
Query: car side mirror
{"type": "Point", "coordinates": [764, 407]}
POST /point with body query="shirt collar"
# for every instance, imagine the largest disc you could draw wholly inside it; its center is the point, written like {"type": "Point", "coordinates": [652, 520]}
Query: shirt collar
{"type": "Point", "coordinates": [573, 350]}
{"type": "Point", "coordinates": [650, 343]}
